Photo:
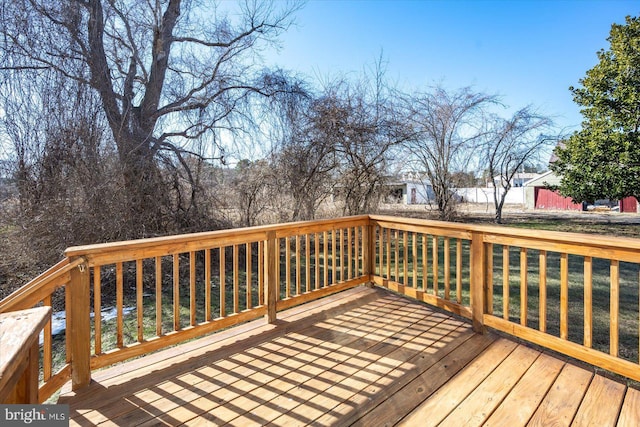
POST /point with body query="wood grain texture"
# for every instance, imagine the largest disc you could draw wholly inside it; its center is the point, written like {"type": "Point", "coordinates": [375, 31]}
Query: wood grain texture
{"type": "Point", "coordinates": [561, 403]}
{"type": "Point", "coordinates": [19, 332]}
{"type": "Point", "coordinates": [630, 409]}
{"type": "Point", "coordinates": [481, 402]}
{"type": "Point", "coordinates": [446, 398]}
{"type": "Point", "coordinates": [525, 397]}
{"type": "Point", "coordinates": [601, 404]}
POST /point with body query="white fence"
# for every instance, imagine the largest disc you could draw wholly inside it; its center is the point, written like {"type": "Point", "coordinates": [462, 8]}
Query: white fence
{"type": "Point", "coordinates": [485, 195]}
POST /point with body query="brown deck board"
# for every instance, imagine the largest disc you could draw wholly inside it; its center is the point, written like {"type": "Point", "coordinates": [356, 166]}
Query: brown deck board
{"type": "Point", "coordinates": [601, 404]}
{"type": "Point", "coordinates": [518, 407]}
{"type": "Point", "coordinates": [363, 357]}
{"type": "Point", "coordinates": [563, 399]}
{"type": "Point", "coordinates": [479, 405]}
{"type": "Point", "coordinates": [448, 397]}
{"type": "Point", "coordinates": [630, 409]}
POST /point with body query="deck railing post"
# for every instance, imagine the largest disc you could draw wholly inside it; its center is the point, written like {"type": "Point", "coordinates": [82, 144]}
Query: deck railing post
{"type": "Point", "coordinates": [478, 281]}
{"type": "Point", "coordinates": [80, 326]}
{"type": "Point", "coordinates": [271, 282]}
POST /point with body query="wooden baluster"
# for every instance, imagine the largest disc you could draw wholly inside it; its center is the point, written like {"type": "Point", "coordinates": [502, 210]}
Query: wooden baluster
{"type": "Point", "coordinates": [389, 237]}
{"type": "Point", "coordinates": [543, 291]}
{"type": "Point", "coordinates": [158, 296]}
{"type": "Point", "coordinates": [207, 285]}
{"type": "Point", "coordinates": [614, 306]}
{"type": "Point", "coordinates": [97, 313]}
{"type": "Point", "coordinates": [249, 285]}
{"type": "Point", "coordinates": [192, 288]}
{"type": "Point", "coordinates": [325, 249]}
{"type": "Point", "coordinates": [588, 301]}
{"type": "Point", "coordinates": [139, 305]}
{"type": "Point", "coordinates": [564, 296]}
{"type": "Point", "coordinates": [176, 292]}
{"type": "Point", "coordinates": [425, 262]}
{"type": "Point", "coordinates": [261, 273]}
{"type": "Point", "coordinates": [236, 279]}
{"type": "Point", "coordinates": [349, 255]}
{"type": "Point", "coordinates": [278, 256]}
{"type": "Point", "coordinates": [396, 261]}
{"type": "Point", "coordinates": [223, 281]}
{"type": "Point", "coordinates": [47, 356]}
{"type": "Point", "coordinates": [316, 238]}
{"type": "Point", "coordinates": [414, 258]}
{"type": "Point", "coordinates": [524, 295]}
{"type": "Point", "coordinates": [119, 303]}
{"type": "Point", "coordinates": [459, 271]}
{"type": "Point", "coordinates": [68, 321]}
{"type": "Point", "coordinates": [298, 282]}
{"type": "Point", "coordinates": [405, 258]}
{"type": "Point", "coordinates": [489, 278]}
{"type": "Point", "coordinates": [434, 259]}
{"type": "Point", "coordinates": [447, 269]}
{"type": "Point", "coordinates": [505, 282]}
{"type": "Point", "coordinates": [307, 263]}
{"type": "Point", "coordinates": [341, 266]}
{"type": "Point", "coordinates": [287, 267]}
{"type": "Point", "coordinates": [334, 256]}
{"type": "Point", "coordinates": [384, 255]}
{"type": "Point", "coordinates": [356, 251]}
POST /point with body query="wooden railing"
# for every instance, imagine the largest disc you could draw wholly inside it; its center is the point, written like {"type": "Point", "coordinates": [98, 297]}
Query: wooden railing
{"type": "Point", "coordinates": [576, 294]}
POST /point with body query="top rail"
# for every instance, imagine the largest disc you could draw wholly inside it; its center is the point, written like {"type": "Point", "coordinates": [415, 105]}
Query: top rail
{"type": "Point", "coordinates": [105, 253]}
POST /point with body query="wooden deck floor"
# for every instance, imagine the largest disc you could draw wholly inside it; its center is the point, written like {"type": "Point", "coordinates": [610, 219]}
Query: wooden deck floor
{"type": "Point", "coordinates": [362, 357]}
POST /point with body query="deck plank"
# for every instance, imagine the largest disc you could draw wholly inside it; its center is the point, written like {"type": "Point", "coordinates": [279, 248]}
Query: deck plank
{"type": "Point", "coordinates": [478, 406]}
{"type": "Point", "coordinates": [401, 398]}
{"type": "Point", "coordinates": [447, 398]}
{"type": "Point", "coordinates": [362, 357]}
{"type": "Point", "coordinates": [601, 404]}
{"type": "Point", "coordinates": [173, 361]}
{"type": "Point", "coordinates": [357, 394]}
{"type": "Point", "coordinates": [297, 366]}
{"type": "Point", "coordinates": [366, 367]}
{"type": "Point", "coordinates": [561, 403]}
{"type": "Point", "coordinates": [630, 409]}
{"type": "Point", "coordinates": [518, 407]}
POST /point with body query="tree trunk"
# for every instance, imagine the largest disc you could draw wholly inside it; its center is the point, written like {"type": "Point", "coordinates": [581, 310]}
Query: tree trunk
{"type": "Point", "coordinates": [146, 196]}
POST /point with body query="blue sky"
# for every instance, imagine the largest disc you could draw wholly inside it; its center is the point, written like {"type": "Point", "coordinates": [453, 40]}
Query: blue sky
{"type": "Point", "coordinates": [529, 52]}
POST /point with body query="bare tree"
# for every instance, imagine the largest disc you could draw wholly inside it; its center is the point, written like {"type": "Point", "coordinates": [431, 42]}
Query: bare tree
{"type": "Point", "coordinates": [166, 73]}
{"type": "Point", "coordinates": [511, 144]}
{"type": "Point", "coordinates": [252, 183]}
{"type": "Point", "coordinates": [445, 127]}
{"type": "Point", "coordinates": [62, 169]}
{"type": "Point", "coordinates": [300, 154]}
{"type": "Point", "coordinates": [371, 129]}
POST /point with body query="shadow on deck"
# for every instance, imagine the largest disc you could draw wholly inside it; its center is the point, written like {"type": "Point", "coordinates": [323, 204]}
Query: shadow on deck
{"type": "Point", "coordinates": [361, 357]}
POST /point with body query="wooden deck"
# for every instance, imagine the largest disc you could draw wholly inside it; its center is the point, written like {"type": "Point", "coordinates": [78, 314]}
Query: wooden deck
{"type": "Point", "coordinates": [361, 357]}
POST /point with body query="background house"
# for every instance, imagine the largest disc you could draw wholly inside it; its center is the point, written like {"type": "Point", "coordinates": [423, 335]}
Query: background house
{"type": "Point", "coordinates": [410, 189]}
{"type": "Point", "coordinates": [538, 196]}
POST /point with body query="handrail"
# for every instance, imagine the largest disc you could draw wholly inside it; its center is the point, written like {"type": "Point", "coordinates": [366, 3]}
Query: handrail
{"type": "Point", "coordinates": [168, 289]}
